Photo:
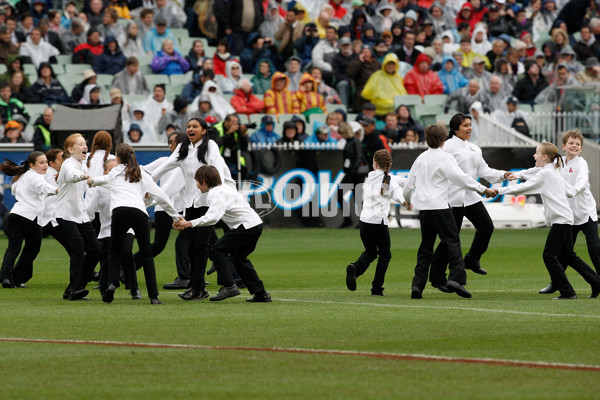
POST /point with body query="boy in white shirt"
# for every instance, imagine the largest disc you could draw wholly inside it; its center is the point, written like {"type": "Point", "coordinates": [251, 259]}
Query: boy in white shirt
{"type": "Point", "coordinates": [428, 178]}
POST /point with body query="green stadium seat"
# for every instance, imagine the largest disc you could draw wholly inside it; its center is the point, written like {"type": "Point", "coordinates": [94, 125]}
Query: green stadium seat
{"type": "Point", "coordinates": [185, 44]}
{"type": "Point", "coordinates": [29, 69]}
{"type": "Point", "coordinates": [179, 32]}
{"type": "Point", "coordinates": [445, 118]}
{"type": "Point", "coordinates": [179, 79]}
{"type": "Point", "coordinates": [146, 70]}
{"type": "Point", "coordinates": [155, 79]}
{"type": "Point", "coordinates": [64, 59]}
{"type": "Point", "coordinates": [332, 107]}
{"type": "Point", "coordinates": [2, 68]}
{"type": "Point", "coordinates": [209, 51]}
{"type": "Point", "coordinates": [256, 119]}
{"type": "Point", "coordinates": [524, 107]}
{"type": "Point", "coordinates": [435, 99]}
{"type": "Point", "coordinates": [410, 100]}
{"type": "Point", "coordinates": [317, 117]}
{"type": "Point", "coordinates": [70, 79]}
{"type": "Point", "coordinates": [144, 60]}
{"type": "Point", "coordinates": [134, 98]}
{"type": "Point", "coordinates": [104, 80]}
{"type": "Point", "coordinates": [282, 118]}
{"type": "Point", "coordinates": [77, 68]}
{"type": "Point", "coordinates": [428, 114]}
{"type": "Point", "coordinates": [174, 91]}
{"type": "Point", "coordinates": [35, 109]}
{"type": "Point", "coordinates": [248, 76]}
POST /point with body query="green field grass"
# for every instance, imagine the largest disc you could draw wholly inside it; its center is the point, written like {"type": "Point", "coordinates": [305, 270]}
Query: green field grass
{"type": "Point", "coordinates": [304, 270]}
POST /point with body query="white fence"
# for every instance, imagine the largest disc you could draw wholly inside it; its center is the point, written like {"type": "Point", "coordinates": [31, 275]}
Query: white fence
{"type": "Point", "coordinates": [493, 133]}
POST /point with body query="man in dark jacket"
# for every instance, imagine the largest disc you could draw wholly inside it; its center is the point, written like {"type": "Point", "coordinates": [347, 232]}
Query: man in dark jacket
{"type": "Point", "coordinates": [112, 60]}
{"type": "Point", "coordinates": [43, 138]}
{"type": "Point", "coordinates": [339, 65]}
{"type": "Point", "coordinates": [258, 48]}
{"type": "Point", "coordinates": [531, 85]}
{"type": "Point", "coordinates": [194, 88]}
{"type": "Point", "coordinates": [86, 52]}
{"type": "Point", "coordinates": [10, 106]}
{"type": "Point", "coordinates": [407, 52]}
{"type": "Point", "coordinates": [47, 89]}
{"type": "Point", "coordinates": [497, 24]}
{"type": "Point", "coordinates": [237, 18]}
{"type": "Point", "coordinates": [360, 70]}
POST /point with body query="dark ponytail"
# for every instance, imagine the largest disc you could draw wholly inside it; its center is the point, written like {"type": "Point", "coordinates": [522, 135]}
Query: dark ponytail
{"type": "Point", "coordinates": [127, 156]}
{"type": "Point", "coordinates": [383, 158]}
{"type": "Point", "coordinates": [455, 122]}
{"type": "Point", "coordinates": [11, 168]}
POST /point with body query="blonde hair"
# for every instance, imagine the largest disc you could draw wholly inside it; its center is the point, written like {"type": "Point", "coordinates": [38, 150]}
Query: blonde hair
{"type": "Point", "coordinates": [551, 151]}
{"type": "Point", "coordinates": [345, 130]}
{"type": "Point", "coordinates": [573, 133]}
{"type": "Point", "coordinates": [383, 158]}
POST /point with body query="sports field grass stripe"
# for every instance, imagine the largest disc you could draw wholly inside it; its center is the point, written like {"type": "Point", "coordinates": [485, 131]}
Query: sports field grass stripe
{"type": "Point", "coordinates": [389, 356]}
{"type": "Point", "coordinates": [443, 308]}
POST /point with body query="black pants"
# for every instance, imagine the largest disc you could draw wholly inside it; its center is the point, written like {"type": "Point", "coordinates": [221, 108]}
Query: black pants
{"type": "Point", "coordinates": [127, 262]}
{"type": "Point", "coordinates": [19, 229]}
{"type": "Point", "coordinates": [123, 219]}
{"type": "Point", "coordinates": [438, 223]}
{"type": "Point", "coordinates": [559, 243]}
{"type": "Point", "coordinates": [163, 225]}
{"type": "Point", "coordinates": [590, 230]}
{"type": "Point", "coordinates": [376, 239]}
{"type": "Point", "coordinates": [84, 252]}
{"type": "Point", "coordinates": [479, 217]}
{"type": "Point", "coordinates": [199, 241]}
{"type": "Point", "coordinates": [57, 234]}
{"type": "Point", "coordinates": [234, 247]}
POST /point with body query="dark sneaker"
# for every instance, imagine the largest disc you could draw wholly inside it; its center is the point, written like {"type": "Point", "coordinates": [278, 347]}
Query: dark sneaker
{"type": "Point", "coordinates": [415, 293]}
{"type": "Point", "coordinates": [178, 283]}
{"type": "Point", "coordinates": [351, 277]}
{"type": "Point", "coordinates": [109, 294]}
{"type": "Point", "coordinates": [192, 294]}
{"type": "Point", "coordinates": [377, 292]}
{"type": "Point", "coordinates": [7, 284]}
{"type": "Point", "coordinates": [155, 300]}
{"type": "Point", "coordinates": [226, 292]}
{"type": "Point", "coordinates": [263, 297]}
{"type": "Point", "coordinates": [135, 295]}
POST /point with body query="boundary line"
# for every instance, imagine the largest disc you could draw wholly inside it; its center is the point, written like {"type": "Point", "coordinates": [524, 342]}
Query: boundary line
{"type": "Point", "coordinates": [388, 356]}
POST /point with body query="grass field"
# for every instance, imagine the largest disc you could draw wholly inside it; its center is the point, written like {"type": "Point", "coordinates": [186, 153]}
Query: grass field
{"type": "Point", "coordinates": [304, 270]}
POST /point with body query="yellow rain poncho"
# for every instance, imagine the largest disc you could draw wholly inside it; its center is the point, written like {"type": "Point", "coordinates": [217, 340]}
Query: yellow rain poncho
{"type": "Point", "coordinates": [381, 87]}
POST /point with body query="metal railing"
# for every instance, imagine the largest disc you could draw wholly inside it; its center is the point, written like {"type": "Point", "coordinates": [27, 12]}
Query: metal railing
{"type": "Point", "coordinates": [494, 134]}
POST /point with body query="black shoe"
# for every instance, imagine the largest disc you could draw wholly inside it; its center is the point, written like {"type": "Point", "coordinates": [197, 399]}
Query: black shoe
{"type": "Point", "coordinates": [239, 283]}
{"type": "Point", "coordinates": [416, 293]}
{"type": "Point", "coordinates": [263, 297]}
{"type": "Point", "coordinates": [226, 292]}
{"type": "Point", "coordinates": [96, 276]}
{"type": "Point", "coordinates": [442, 288]}
{"type": "Point", "coordinates": [474, 265]}
{"type": "Point", "coordinates": [109, 295]}
{"type": "Point", "coordinates": [377, 292]}
{"type": "Point", "coordinates": [155, 300]}
{"type": "Point", "coordinates": [135, 294]}
{"type": "Point", "coordinates": [595, 293]}
{"type": "Point", "coordinates": [21, 286]}
{"type": "Point", "coordinates": [78, 294]}
{"type": "Point", "coordinates": [561, 297]}
{"type": "Point", "coordinates": [548, 289]}
{"type": "Point", "coordinates": [178, 283]}
{"type": "Point", "coordinates": [193, 295]}
{"type": "Point", "coordinates": [459, 289]}
{"type": "Point", "coordinates": [211, 270]}
{"type": "Point", "coordinates": [351, 277]}
{"type": "Point", "coordinates": [7, 284]}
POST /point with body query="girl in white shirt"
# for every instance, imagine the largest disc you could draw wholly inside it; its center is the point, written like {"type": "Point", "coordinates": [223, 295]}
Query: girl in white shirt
{"type": "Point", "coordinates": [379, 188]}
{"type": "Point", "coordinates": [48, 218]}
{"type": "Point", "coordinates": [22, 223]}
{"type": "Point", "coordinates": [128, 187]}
{"type": "Point", "coordinates": [73, 220]}
{"type": "Point", "coordinates": [554, 191]}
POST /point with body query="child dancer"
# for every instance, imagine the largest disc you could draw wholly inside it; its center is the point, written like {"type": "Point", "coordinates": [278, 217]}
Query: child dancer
{"type": "Point", "coordinates": [553, 189]}
{"type": "Point", "coordinates": [48, 218]}
{"type": "Point", "coordinates": [576, 173]}
{"type": "Point", "coordinates": [22, 223]}
{"type": "Point", "coordinates": [224, 202]}
{"type": "Point", "coordinates": [128, 187]}
{"type": "Point", "coordinates": [429, 176]}
{"type": "Point", "coordinates": [378, 190]}
{"type": "Point", "coordinates": [73, 220]}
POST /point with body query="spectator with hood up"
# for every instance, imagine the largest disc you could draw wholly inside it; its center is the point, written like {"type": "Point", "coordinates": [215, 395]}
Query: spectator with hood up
{"type": "Point", "coordinates": [309, 99]}
{"type": "Point", "coordinates": [112, 60]}
{"type": "Point", "coordinates": [384, 85]}
{"type": "Point", "coordinates": [233, 74]}
{"type": "Point", "coordinates": [47, 89]}
{"type": "Point", "coordinates": [266, 133]}
{"type": "Point", "coordinates": [243, 101]}
{"type": "Point", "coordinates": [321, 135]}
{"type": "Point", "coordinates": [305, 45]}
{"type": "Point", "coordinates": [169, 61]}
{"type": "Point", "coordinates": [421, 80]}
{"type": "Point", "coordinates": [262, 76]}
{"type": "Point", "coordinates": [450, 75]}
{"type": "Point", "coordinates": [279, 99]}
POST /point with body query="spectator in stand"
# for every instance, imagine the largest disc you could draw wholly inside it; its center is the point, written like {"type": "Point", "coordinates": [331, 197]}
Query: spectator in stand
{"type": "Point", "coordinates": [293, 72]}
{"type": "Point", "coordinates": [406, 122]}
{"type": "Point", "coordinates": [261, 80]}
{"type": "Point", "coordinates": [567, 56]}
{"type": "Point", "coordinates": [421, 80]}
{"type": "Point", "coordinates": [110, 25]}
{"type": "Point", "coordinates": [86, 52]}
{"type": "Point", "coordinates": [328, 93]}
{"type": "Point", "coordinates": [450, 75]}
{"type": "Point", "coordinates": [70, 12]}
{"type": "Point", "coordinates": [305, 45]}
{"type": "Point", "coordinates": [384, 85]}
{"type": "Point", "coordinates": [507, 116]}
{"type": "Point", "coordinates": [13, 133]}
{"type": "Point", "coordinates": [89, 77]}
{"type": "Point", "coordinates": [497, 24]}
{"type": "Point", "coordinates": [591, 73]}
{"type": "Point", "coordinates": [272, 22]}
{"type": "Point", "coordinates": [441, 19]}
{"type": "Point", "coordinates": [266, 133]}
{"type": "Point", "coordinates": [131, 41]}
{"type": "Point", "coordinates": [479, 42]}
{"type": "Point", "coordinates": [14, 64]}
{"type": "Point", "coordinates": [84, 18]}
{"type": "Point", "coordinates": [130, 80]}
{"type": "Point", "coordinates": [466, 15]}
{"type": "Point", "coordinates": [479, 72]}
{"type": "Point", "coordinates": [553, 95]}
{"type": "Point", "coordinates": [288, 33]}
{"type": "Point", "coordinates": [116, 98]}
{"type": "Point", "coordinates": [7, 48]}
{"type": "Point", "coordinates": [233, 73]}
{"type": "Point", "coordinates": [91, 95]}
{"type": "Point", "coordinates": [391, 130]}
{"type": "Point", "coordinates": [178, 117]}
{"type": "Point", "coordinates": [169, 61]}
{"type": "Point", "coordinates": [146, 128]}
{"type": "Point", "coordinates": [156, 105]}
{"type": "Point", "coordinates": [121, 7]}
{"type": "Point", "coordinates": [290, 134]}
{"type": "Point", "coordinates": [494, 98]}
{"type": "Point", "coordinates": [193, 89]}
{"type": "Point", "coordinates": [244, 102]}
{"type": "Point", "coordinates": [258, 48]}
{"type": "Point", "coordinates": [24, 27]}
{"type": "Point", "coordinates": [519, 24]}
{"type": "Point", "coordinates": [236, 19]}
{"type": "Point", "coordinates": [205, 110]}
{"type": "Point", "coordinates": [300, 128]}
{"type": "Point", "coordinates": [218, 103]}
{"type": "Point", "coordinates": [461, 100]}
{"type": "Point", "coordinates": [560, 38]}
{"type": "Point", "coordinates": [531, 85]}
{"type": "Point", "coordinates": [36, 51]}
{"type": "Point", "coordinates": [94, 13]}
{"type": "Point", "coordinates": [371, 141]}
{"type": "Point", "coordinates": [112, 60]}
{"type": "Point", "coordinates": [146, 21]}
{"type": "Point", "coordinates": [339, 64]}
{"type": "Point", "coordinates": [43, 138]}
{"type": "Point", "coordinates": [196, 54]}
{"type": "Point", "coordinates": [154, 39]}
{"type": "Point", "coordinates": [18, 86]}
{"type": "Point", "coordinates": [496, 52]}
{"type": "Point", "coordinates": [321, 135]}
{"type": "Point", "coordinates": [407, 52]}
{"type": "Point", "coordinates": [222, 55]}
{"type": "Point", "coordinates": [74, 37]}
{"type": "Point", "coordinates": [279, 99]}
{"type": "Point", "coordinates": [468, 55]}
{"type": "Point", "coordinates": [10, 106]}
{"type": "Point", "coordinates": [47, 89]}
{"type": "Point", "coordinates": [324, 51]}
{"type": "Point", "coordinates": [369, 110]}
{"type": "Point", "coordinates": [309, 99]}
{"type": "Point", "coordinates": [360, 70]}
{"type": "Point", "coordinates": [171, 12]}
{"type": "Point", "coordinates": [587, 46]}
{"type": "Point", "coordinates": [50, 36]}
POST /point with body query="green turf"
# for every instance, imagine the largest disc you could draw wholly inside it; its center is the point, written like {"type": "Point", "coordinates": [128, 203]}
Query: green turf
{"type": "Point", "coordinates": [304, 270]}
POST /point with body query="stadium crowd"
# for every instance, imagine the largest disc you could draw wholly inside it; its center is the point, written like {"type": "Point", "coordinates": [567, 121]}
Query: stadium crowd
{"type": "Point", "coordinates": [255, 60]}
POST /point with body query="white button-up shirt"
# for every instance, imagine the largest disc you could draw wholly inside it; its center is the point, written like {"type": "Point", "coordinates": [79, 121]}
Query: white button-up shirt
{"type": "Point", "coordinates": [470, 160]}
{"type": "Point", "coordinates": [48, 214]}
{"type": "Point", "coordinates": [226, 203]}
{"type": "Point", "coordinates": [171, 183]}
{"type": "Point", "coordinates": [577, 174]}
{"type": "Point", "coordinates": [376, 206]}
{"type": "Point", "coordinates": [70, 204]}
{"type": "Point", "coordinates": [430, 176]}
{"type": "Point", "coordinates": [30, 190]}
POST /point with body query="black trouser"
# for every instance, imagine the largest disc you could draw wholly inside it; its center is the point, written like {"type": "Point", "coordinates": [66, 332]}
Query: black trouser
{"type": "Point", "coordinates": [19, 229]}
{"type": "Point", "coordinates": [233, 248]}
{"type": "Point", "coordinates": [57, 234]}
{"type": "Point", "coordinates": [590, 230]}
{"type": "Point", "coordinates": [438, 223]}
{"type": "Point", "coordinates": [84, 252]}
{"type": "Point", "coordinates": [199, 241]}
{"type": "Point", "coordinates": [376, 239]}
{"type": "Point", "coordinates": [123, 219]}
{"type": "Point", "coordinates": [127, 262]}
{"type": "Point", "coordinates": [163, 225]}
{"type": "Point", "coordinates": [479, 217]}
{"type": "Point", "coordinates": [559, 243]}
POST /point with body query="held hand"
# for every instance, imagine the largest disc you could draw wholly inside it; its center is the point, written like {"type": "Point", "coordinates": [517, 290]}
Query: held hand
{"type": "Point", "coordinates": [489, 192]}
{"type": "Point", "coordinates": [408, 205]}
{"type": "Point", "coordinates": [147, 195]}
{"type": "Point", "coordinates": [509, 176]}
{"type": "Point", "coordinates": [89, 181]}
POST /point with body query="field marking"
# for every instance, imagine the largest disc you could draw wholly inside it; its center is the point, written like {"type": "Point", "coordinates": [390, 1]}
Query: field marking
{"type": "Point", "coordinates": [335, 352]}
{"type": "Point", "coordinates": [440, 308]}
{"type": "Point", "coordinates": [408, 291]}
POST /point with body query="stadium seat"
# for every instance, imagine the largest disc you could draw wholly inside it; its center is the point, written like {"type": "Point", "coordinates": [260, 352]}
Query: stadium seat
{"type": "Point", "coordinates": [210, 51]}
{"type": "Point", "coordinates": [70, 79]}
{"type": "Point", "coordinates": [179, 79]}
{"type": "Point", "coordinates": [2, 68]}
{"type": "Point", "coordinates": [134, 98]}
{"type": "Point", "coordinates": [58, 69]}
{"type": "Point", "coordinates": [227, 97]}
{"type": "Point", "coordinates": [104, 80]}
{"type": "Point", "coordinates": [524, 107]}
{"type": "Point", "coordinates": [317, 117]}
{"type": "Point", "coordinates": [410, 100]}
{"type": "Point", "coordinates": [64, 59]}
{"type": "Point", "coordinates": [35, 110]}
{"type": "Point", "coordinates": [260, 96]}
{"type": "Point", "coordinates": [435, 99]}
{"type": "Point", "coordinates": [351, 117]}
{"type": "Point", "coordinates": [180, 32]}
{"type": "Point", "coordinates": [155, 79]}
{"type": "Point", "coordinates": [145, 60]}
{"type": "Point", "coordinates": [174, 91]}
{"type": "Point", "coordinates": [332, 107]}
{"type": "Point", "coordinates": [256, 119]}
{"type": "Point", "coordinates": [404, 68]}
{"type": "Point", "coordinates": [29, 69]}
{"type": "Point", "coordinates": [32, 77]}
{"type": "Point", "coordinates": [428, 114]}
{"type": "Point", "coordinates": [282, 118]}
{"type": "Point", "coordinates": [69, 87]}
{"type": "Point", "coordinates": [248, 76]}
{"type": "Point", "coordinates": [544, 107]}
{"type": "Point", "coordinates": [77, 68]}
{"type": "Point", "coordinates": [185, 44]}
{"type": "Point", "coordinates": [445, 118]}
{"type": "Point", "coordinates": [146, 70]}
